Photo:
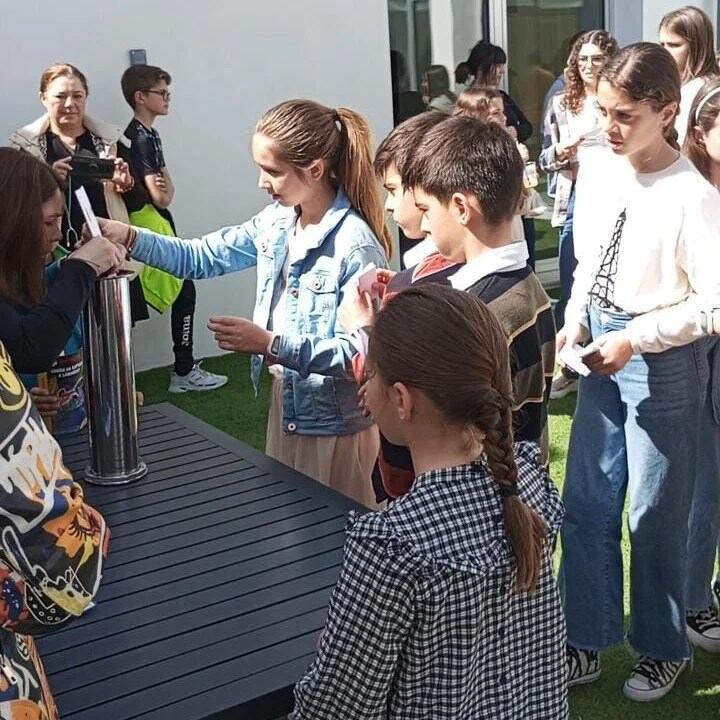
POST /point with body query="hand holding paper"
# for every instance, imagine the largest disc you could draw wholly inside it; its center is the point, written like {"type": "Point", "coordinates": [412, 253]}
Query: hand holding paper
{"type": "Point", "coordinates": [367, 280]}
{"type": "Point", "coordinates": [573, 357]}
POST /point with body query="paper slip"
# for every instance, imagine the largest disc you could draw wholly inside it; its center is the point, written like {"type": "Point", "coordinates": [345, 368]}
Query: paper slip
{"type": "Point", "coordinates": [573, 356]}
{"type": "Point", "coordinates": [367, 278]}
{"type": "Point", "coordinates": [88, 212]}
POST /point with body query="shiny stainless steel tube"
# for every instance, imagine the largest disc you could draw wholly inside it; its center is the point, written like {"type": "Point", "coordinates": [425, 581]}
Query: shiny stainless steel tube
{"type": "Point", "coordinates": [110, 384]}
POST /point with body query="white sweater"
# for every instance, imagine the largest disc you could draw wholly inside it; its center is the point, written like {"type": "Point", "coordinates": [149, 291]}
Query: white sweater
{"type": "Point", "coordinates": [668, 269]}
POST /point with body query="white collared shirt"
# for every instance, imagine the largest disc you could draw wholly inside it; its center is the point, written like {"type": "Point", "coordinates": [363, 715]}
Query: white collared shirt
{"type": "Point", "coordinates": [500, 259]}
{"type": "Point", "coordinates": [418, 252]}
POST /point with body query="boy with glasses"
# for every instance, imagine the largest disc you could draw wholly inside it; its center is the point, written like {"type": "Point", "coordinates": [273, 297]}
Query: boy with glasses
{"type": "Point", "coordinates": [145, 88]}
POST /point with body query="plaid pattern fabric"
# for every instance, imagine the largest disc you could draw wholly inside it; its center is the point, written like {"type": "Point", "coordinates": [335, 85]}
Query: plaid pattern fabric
{"type": "Point", "coordinates": [424, 621]}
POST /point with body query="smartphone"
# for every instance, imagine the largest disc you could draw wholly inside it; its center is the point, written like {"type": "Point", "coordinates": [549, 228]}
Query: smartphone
{"type": "Point", "coordinates": [89, 167]}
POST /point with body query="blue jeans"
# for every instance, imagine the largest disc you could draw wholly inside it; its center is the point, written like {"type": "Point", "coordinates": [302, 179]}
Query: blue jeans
{"type": "Point", "coordinates": [705, 513]}
{"type": "Point", "coordinates": [566, 261]}
{"type": "Point", "coordinates": [634, 433]}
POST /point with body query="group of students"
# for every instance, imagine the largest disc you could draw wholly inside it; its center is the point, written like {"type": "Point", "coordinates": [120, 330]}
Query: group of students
{"type": "Point", "coordinates": [446, 605]}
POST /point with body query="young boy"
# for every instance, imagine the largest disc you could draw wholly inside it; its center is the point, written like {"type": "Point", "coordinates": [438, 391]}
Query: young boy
{"type": "Point", "coordinates": [145, 88]}
{"type": "Point", "coordinates": [469, 213]}
{"type": "Point", "coordinates": [392, 159]}
{"type": "Point", "coordinates": [393, 473]}
{"type": "Point", "coordinates": [414, 155]}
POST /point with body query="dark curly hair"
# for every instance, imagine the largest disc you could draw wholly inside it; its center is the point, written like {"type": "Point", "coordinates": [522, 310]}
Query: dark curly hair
{"type": "Point", "coordinates": [575, 87]}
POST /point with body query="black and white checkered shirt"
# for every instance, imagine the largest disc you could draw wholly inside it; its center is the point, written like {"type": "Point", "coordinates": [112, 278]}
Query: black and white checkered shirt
{"type": "Point", "coordinates": [424, 621]}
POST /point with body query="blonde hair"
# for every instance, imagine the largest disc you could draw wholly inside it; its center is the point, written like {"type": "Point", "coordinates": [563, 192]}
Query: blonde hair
{"type": "Point", "coordinates": [475, 102]}
{"type": "Point", "coordinates": [305, 131]}
{"type": "Point", "coordinates": [62, 70]}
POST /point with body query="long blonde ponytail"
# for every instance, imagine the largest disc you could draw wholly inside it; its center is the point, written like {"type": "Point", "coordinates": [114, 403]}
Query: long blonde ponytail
{"type": "Point", "coordinates": [305, 131]}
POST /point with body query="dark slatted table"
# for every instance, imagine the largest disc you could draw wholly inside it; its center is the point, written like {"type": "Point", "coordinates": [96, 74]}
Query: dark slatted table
{"type": "Point", "coordinates": [220, 568]}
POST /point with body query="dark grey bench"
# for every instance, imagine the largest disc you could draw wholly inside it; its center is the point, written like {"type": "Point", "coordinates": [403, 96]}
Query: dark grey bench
{"type": "Point", "coordinates": [220, 568]}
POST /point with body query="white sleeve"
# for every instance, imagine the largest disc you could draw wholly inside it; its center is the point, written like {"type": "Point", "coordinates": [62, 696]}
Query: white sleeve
{"type": "Point", "coordinates": [698, 257]}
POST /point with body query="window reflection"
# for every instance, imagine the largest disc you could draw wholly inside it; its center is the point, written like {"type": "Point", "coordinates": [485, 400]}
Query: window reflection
{"type": "Point", "coordinates": [428, 40]}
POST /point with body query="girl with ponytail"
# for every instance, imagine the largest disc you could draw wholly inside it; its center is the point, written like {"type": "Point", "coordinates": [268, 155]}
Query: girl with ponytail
{"type": "Point", "coordinates": [446, 606]}
{"type": "Point", "coordinates": [647, 305]}
{"type": "Point", "coordinates": [325, 225]}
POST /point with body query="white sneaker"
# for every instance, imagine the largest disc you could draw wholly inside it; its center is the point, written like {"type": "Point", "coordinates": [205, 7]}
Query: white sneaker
{"type": "Point", "coordinates": [703, 629]}
{"type": "Point", "coordinates": [652, 679]}
{"type": "Point", "coordinates": [583, 666]}
{"type": "Point", "coordinates": [196, 380]}
{"type": "Point", "coordinates": [562, 385]}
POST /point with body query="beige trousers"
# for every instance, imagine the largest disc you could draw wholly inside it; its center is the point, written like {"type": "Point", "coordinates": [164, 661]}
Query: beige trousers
{"type": "Point", "coordinates": [342, 462]}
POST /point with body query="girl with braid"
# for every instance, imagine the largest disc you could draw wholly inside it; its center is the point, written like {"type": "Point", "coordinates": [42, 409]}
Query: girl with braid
{"type": "Point", "coordinates": [446, 606]}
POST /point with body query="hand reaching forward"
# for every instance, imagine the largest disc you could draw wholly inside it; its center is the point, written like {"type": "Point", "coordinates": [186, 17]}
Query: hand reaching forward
{"type": "Point", "coordinates": [239, 335]}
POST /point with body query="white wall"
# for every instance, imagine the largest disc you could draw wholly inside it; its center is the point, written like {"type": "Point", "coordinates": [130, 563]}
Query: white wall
{"type": "Point", "coordinates": [229, 61]}
{"type": "Point", "coordinates": [653, 11]}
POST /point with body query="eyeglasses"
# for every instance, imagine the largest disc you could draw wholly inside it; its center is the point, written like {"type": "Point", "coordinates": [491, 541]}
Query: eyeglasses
{"type": "Point", "coordinates": [595, 60]}
{"type": "Point", "coordinates": [164, 94]}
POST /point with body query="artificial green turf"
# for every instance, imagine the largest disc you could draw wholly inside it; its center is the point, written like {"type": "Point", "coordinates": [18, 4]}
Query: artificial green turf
{"type": "Point", "coordinates": [235, 410]}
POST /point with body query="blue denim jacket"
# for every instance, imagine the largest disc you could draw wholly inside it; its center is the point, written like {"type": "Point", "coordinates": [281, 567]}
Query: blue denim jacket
{"type": "Point", "coordinates": [319, 394]}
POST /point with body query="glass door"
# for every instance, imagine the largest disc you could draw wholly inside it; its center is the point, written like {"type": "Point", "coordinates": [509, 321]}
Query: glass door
{"type": "Point", "coordinates": [425, 33]}
{"type": "Point", "coordinates": [538, 35]}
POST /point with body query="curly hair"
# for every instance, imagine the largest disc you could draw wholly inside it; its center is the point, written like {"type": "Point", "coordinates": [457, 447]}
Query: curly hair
{"type": "Point", "coordinates": [575, 87]}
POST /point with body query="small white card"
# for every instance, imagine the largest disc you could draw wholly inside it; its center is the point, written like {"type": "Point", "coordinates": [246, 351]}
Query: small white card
{"type": "Point", "coordinates": [367, 278]}
{"type": "Point", "coordinates": [88, 212]}
{"type": "Point", "coordinates": [573, 356]}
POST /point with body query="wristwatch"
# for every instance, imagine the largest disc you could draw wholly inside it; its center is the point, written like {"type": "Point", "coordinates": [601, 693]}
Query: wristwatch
{"type": "Point", "coordinates": [274, 347]}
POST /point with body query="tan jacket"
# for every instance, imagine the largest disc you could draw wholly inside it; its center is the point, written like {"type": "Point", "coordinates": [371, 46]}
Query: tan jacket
{"type": "Point", "coordinates": [31, 138]}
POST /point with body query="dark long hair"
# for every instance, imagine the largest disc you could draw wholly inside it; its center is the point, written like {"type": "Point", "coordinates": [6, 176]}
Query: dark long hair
{"type": "Point", "coordinates": [647, 73]}
{"type": "Point", "coordinates": [25, 184]}
{"type": "Point", "coordinates": [472, 389]}
{"type": "Point", "coordinates": [481, 60]}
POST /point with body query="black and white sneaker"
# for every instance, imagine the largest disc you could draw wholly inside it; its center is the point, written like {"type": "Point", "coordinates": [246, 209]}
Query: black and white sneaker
{"type": "Point", "coordinates": [583, 666]}
{"type": "Point", "coordinates": [703, 629]}
{"type": "Point", "coordinates": [652, 679]}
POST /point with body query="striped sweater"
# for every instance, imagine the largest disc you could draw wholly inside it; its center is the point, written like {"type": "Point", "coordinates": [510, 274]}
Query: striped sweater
{"type": "Point", "coordinates": [522, 307]}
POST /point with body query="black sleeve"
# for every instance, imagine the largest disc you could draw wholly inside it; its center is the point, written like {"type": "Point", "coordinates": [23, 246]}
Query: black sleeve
{"type": "Point", "coordinates": [35, 338]}
{"type": "Point", "coordinates": [143, 155]}
{"type": "Point", "coordinates": [516, 119]}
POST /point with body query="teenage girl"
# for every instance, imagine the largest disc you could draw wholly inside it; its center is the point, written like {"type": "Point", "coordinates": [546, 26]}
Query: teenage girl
{"type": "Point", "coordinates": [644, 304]}
{"type": "Point", "coordinates": [688, 35]}
{"type": "Point", "coordinates": [40, 304]}
{"type": "Point", "coordinates": [446, 606]}
{"type": "Point", "coordinates": [574, 147]}
{"type": "Point", "coordinates": [702, 146]}
{"type": "Point", "coordinates": [325, 225]}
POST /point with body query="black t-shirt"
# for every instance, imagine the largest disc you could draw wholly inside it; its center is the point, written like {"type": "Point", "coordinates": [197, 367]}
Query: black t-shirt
{"type": "Point", "coordinates": [516, 118]}
{"type": "Point", "coordinates": [146, 158]}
